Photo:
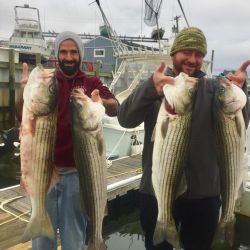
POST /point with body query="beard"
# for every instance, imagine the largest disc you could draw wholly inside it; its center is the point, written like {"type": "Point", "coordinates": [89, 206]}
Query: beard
{"type": "Point", "coordinates": [188, 68]}
{"type": "Point", "coordinates": [69, 70]}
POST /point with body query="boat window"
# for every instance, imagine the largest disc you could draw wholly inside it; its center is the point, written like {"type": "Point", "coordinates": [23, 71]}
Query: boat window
{"type": "Point", "coordinates": [30, 35]}
{"type": "Point", "coordinates": [16, 33]}
{"type": "Point", "coordinates": [35, 34]}
{"type": "Point", "coordinates": [23, 34]}
{"type": "Point", "coordinates": [99, 52]}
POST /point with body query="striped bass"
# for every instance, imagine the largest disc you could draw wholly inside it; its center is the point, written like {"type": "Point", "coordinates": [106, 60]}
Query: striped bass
{"type": "Point", "coordinates": [231, 138]}
{"type": "Point", "coordinates": [37, 136]}
{"type": "Point", "coordinates": [172, 133]}
{"type": "Point", "coordinates": [89, 153]}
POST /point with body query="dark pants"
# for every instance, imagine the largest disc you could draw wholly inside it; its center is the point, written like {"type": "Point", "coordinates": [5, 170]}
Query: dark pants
{"type": "Point", "coordinates": [198, 219]}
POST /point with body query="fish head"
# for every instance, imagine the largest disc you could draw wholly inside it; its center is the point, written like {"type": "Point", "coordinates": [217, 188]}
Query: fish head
{"type": "Point", "coordinates": [180, 95]}
{"type": "Point", "coordinates": [229, 97]}
{"type": "Point", "coordinates": [40, 93]}
{"type": "Point", "coordinates": [86, 114]}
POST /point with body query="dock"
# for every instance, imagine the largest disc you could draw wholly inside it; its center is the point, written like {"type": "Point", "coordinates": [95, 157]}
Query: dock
{"type": "Point", "coordinates": [124, 174]}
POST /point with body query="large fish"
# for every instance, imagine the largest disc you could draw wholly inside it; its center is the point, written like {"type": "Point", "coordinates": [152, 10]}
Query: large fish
{"type": "Point", "coordinates": [37, 136]}
{"type": "Point", "coordinates": [172, 135]}
{"type": "Point", "coordinates": [230, 136]}
{"type": "Point", "coordinates": [89, 152]}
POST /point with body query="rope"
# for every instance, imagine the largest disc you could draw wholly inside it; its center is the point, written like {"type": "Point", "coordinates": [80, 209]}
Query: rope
{"type": "Point", "coordinates": [9, 212]}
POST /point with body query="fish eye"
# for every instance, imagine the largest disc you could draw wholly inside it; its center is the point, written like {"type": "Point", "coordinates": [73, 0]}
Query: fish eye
{"type": "Point", "coordinates": [52, 88]}
{"type": "Point", "coordinates": [78, 105]}
{"type": "Point", "coordinates": [222, 90]}
{"type": "Point", "coordinates": [191, 92]}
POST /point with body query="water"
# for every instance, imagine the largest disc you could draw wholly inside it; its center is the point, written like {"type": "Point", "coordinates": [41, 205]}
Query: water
{"type": "Point", "coordinates": [122, 228]}
{"type": "Point", "coordinates": [124, 242]}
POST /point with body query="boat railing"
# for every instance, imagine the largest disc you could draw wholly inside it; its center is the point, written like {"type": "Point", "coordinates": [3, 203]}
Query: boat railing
{"type": "Point", "coordinates": [135, 51]}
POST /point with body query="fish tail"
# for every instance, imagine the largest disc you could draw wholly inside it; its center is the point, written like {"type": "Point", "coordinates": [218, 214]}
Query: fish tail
{"type": "Point", "coordinates": [98, 245]}
{"type": "Point", "coordinates": [225, 232]}
{"type": "Point", "coordinates": [38, 227]}
{"type": "Point", "coordinates": [167, 233]}
{"type": "Point", "coordinates": [219, 233]}
{"type": "Point", "coordinates": [173, 236]}
{"type": "Point", "coordinates": [230, 232]}
{"type": "Point", "coordinates": [159, 233]}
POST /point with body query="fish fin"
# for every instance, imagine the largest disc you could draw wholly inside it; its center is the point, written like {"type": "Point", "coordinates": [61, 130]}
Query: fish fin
{"type": "Point", "coordinates": [38, 227]}
{"type": "Point", "coordinates": [164, 127]}
{"type": "Point", "coordinates": [159, 233]}
{"type": "Point", "coordinates": [225, 232]}
{"type": "Point", "coordinates": [32, 123]}
{"type": "Point", "coordinates": [230, 232]}
{"type": "Point", "coordinates": [98, 245]}
{"type": "Point", "coordinates": [168, 95]}
{"type": "Point", "coordinates": [153, 134]}
{"type": "Point", "coordinates": [23, 186]}
{"type": "Point", "coordinates": [219, 234]}
{"type": "Point", "coordinates": [54, 179]}
{"type": "Point", "coordinates": [167, 233]}
{"type": "Point", "coordinates": [238, 125]}
{"type": "Point", "coordinates": [173, 236]}
{"type": "Point", "coordinates": [100, 144]}
{"type": "Point", "coordinates": [20, 131]}
{"type": "Point", "coordinates": [106, 212]}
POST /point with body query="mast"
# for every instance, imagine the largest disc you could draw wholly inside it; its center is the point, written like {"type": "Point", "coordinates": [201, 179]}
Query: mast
{"type": "Point", "coordinates": [122, 50]}
{"type": "Point", "coordinates": [182, 10]}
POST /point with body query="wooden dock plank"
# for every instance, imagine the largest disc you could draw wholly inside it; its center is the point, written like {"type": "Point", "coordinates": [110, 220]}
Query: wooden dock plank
{"type": "Point", "coordinates": [14, 202]}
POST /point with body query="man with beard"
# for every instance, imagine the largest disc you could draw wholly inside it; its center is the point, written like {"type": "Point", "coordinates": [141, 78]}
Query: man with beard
{"type": "Point", "coordinates": [63, 201]}
{"type": "Point", "coordinates": [196, 211]}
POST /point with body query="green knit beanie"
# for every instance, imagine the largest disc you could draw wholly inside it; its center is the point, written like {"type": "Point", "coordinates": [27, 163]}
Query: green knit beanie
{"type": "Point", "coordinates": [190, 39]}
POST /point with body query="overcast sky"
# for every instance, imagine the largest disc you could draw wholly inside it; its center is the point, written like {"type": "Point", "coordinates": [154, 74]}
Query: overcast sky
{"type": "Point", "coordinates": [226, 23]}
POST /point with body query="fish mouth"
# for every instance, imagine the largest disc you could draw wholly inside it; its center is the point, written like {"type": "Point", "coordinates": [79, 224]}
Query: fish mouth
{"type": "Point", "coordinates": [41, 103]}
{"type": "Point", "coordinates": [232, 102]}
{"type": "Point", "coordinates": [41, 108]}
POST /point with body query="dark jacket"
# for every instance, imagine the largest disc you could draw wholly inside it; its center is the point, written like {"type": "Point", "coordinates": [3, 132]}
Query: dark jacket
{"type": "Point", "coordinates": [201, 170]}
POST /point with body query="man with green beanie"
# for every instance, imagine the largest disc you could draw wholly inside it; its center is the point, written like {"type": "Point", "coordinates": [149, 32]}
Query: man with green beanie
{"type": "Point", "coordinates": [196, 212]}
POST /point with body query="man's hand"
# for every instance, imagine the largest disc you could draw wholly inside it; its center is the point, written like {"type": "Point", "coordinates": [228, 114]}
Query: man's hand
{"type": "Point", "coordinates": [79, 94]}
{"type": "Point", "coordinates": [239, 76]}
{"type": "Point", "coordinates": [95, 96]}
{"type": "Point", "coordinates": [160, 79]}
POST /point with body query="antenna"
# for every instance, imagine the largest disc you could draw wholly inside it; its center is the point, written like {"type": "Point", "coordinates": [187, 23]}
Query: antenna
{"type": "Point", "coordinates": [152, 12]}
{"type": "Point", "coordinates": [175, 28]}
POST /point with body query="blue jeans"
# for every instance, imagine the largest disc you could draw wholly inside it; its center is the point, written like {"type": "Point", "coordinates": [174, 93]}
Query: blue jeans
{"type": "Point", "coordinates": [67, 215]}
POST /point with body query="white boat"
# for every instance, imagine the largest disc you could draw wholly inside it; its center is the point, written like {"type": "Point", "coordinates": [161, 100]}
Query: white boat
{"type": "Point", "coordinates": [27, 36]}
{"type": "Point", "coordinates": [121, 142]}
